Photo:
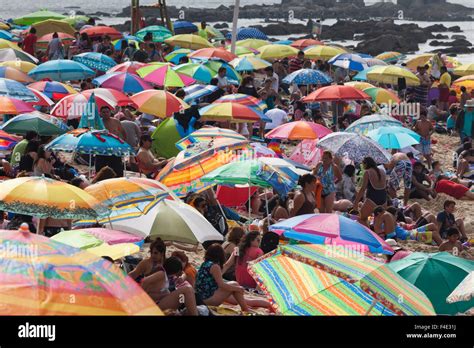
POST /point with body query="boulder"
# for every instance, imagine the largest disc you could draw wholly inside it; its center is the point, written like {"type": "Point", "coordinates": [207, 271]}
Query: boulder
{"type": "Point", "coordinates": [455, 29]}
{"type": "Point", "coordinates": [454, 50]}
{"type": "Point", "coordinates": [457, 36]}
{"type": "Point", "coordinates": [221, 25]}
{"type": "Point", "coordinates": [387, 42]}
{"type": "Point", "coordinates": [455, 43]}
{"type": "Point", "coordinates": [441, 37]}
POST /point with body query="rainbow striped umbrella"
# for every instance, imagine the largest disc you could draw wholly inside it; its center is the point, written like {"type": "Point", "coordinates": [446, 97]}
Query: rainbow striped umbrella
{"type": "Point", "coordinates": [159, 103]}
{"type": "Point", "coordinates": [127, 67]}
{"type": "Point", "coordinates": [206, 134]}
{"type": "Point", "coordinates": [53, 89]}
{"type": "Point", "coordinates": [7, 141]}
{"type": "Point", "coordinates": [232, 75]}
{"type": "Point", "coordinates": [196, 71]}
{"type": "Point", "coordinates": [12, 106]}
{"type": "Point", "coordinates": [120, 81]}
{"type": "Point", "coordinates": [383, 284]}
{"type": "Point", "coordinates": [111, 237]}
{"type": "Point", "coordinates": [295, 288]}
{"type": "Point", "coordinates": [43, 99]}
{"type": "Point", "coordinates": [382, 95]}
{"type": "Point", "coordinates": [161, 74]}
{"type": "Point", "coordinates": [176, 55]}
{"type": "Point", "coordinates": [213, 53]}
{"type": "Point", "coordinates": [74, 105]}
{"type": "Point", "coordinates": [111, 96]}
{"type": "Point", "coordinates": [44, 40]}
{"type": "Point", "coordinates": [464, 291]}
{"type": "Point", "coordinates": [232, 112]}
{"type": "Point", "coordinates": [243, 99]}
{"type": "Point", "coordinates": [56, 279]}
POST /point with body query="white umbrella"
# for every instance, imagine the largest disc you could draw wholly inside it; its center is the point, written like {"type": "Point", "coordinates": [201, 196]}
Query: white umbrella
{"type": "Point", "coordinates": [282, 163]}
{"type": "Point", "coordinates": [464, 291]}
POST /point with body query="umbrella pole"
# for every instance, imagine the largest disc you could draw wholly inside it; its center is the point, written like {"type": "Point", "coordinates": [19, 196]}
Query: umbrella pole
{"type": "Point", "coordinates": [90, 165]}
{"type": "Point", "coordinates": [372, 305]}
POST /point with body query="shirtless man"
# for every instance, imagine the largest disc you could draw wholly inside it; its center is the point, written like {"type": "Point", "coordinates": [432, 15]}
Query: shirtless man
{"type": "Point", "coordinates": [147, 163]}
{"type": "Point", "coordinates": [111, 124]}
{"type": "Point", "coordinates": [425, 128]}
{"type": "Point", "coordinates": [384, 222]}
{"type": "Point", "coordinates": [401, 169]}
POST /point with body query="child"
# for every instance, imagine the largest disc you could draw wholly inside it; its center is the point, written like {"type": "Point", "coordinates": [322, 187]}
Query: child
{"type": "Point", "coordinates": [453, 244]}
{"type": "Point", "coordinates": [346, 188]}
{"type": "Point", "coordinates": [437, 171]}
{"type": "Point", "coordinates": [189, 272]}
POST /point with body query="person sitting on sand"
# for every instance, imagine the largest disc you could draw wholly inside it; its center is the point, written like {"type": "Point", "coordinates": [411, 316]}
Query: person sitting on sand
{"type": "Point", "coordinates": [189, 272]}
{"type": "Point", "coordinates": [447, 220]}
{"type": "Point", "coordinates": [147, 163]}
{"type": "Point", "coordinates": [150, 265]}
{"type": "Point", "coordinates": [384, 222]}
{"type": "Point", "coordinates": [465, 168]}
{"type": "Point", "coordinates": [277, 206]}
{"type": "Point", "coordinates": [249, 250]}
{"type": "Point", "coordinates": [452, 245]}
{"type": "Point", "coordinates": [419, 189]}
{"type": "Point", "coordinates": [304, 201]}
{"type": "Point", "coordinates": [234, 237]}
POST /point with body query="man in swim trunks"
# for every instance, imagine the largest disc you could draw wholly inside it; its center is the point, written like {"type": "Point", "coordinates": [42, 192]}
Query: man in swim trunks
{"type": "Point", "coordinates": [425, 128]}
{"type": "Point", "coordinates": [400, 169]}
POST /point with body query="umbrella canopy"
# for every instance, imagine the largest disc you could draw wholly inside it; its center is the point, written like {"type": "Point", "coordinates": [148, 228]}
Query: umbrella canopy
{"type": "Point", "coordinates": [77, 239]}
{"type": "Point", "coordinates": [335, 93]}
{"type": "Point", "coordinates": [196, 71]}
{"type": "Point", "coordinates": [354, 147]}
{"type": "Point", "coordinates": [158, 103]}
{"type": "Point", "coordinates": [382, 95]}
{"type": "Point", "coordinates": [111, 96]}
{"type": "Point", "coordinates": [129, 39]}
{"type": "Point", "coordinates": [232, 75]}
{"type": "Point", "coordinates": [303, 43]}
{"type": "Point", "coordinates": [443, 269]}
{"type": "Point", "coordinates": [43, 197]}
{"type": "Point", "coordinates": [349, 61]}
{"type": "Point", "coordinates": [7, 141]}
{"type": "Point", "coordinates": [464, 70]}
{"type": "Point", "coordinates": [10, 54]}
{"type": "Point", "coordinates": [392, 137]}
{"type": "Point", "coordinates": [177, 54]}
{"type": "Point", "coordinates": [188, 41]}
{"type": "Point", "coordinates": [466, 81]}
{"type": "Point", "coordinates": [390, 57]}
{"type": "Point", "coordinates": [208, 134]}
{"type": "Point", "coordinates": [53, 26]}
{"type": "Point", "coordinates": [232, 112]}
{"type": "Point", "coordinates": [242, 51]}
{"type": "Point", "coordinates": [359, 85]}
{"type": "Point", "coordinates": [390, 74]}
{"type": "Point", "coordinates": [243, 99]}
{"type": "Point", "coordinates": [214, 33]}
{"type": "Point", "coordinates": [43, 99]}
{"type": "Point", "coordinates": [19, 65]}
{"type": "Point", "coordinates": [195, 92]}
{"type": "Point", "coordinates": [99, 31]}
{"type": "Point", "coordinates": [43, 124]}
{"type": "Point", "coordinates": [95, 61]}
{"type": "Point", "coordinates": [295, 288]}
{"type": "Point", "coordinates": [307, 153]}
{"type": "Point", "coordinates": [159, 33]}
{"type": "Point", "coordinates": [12, 106]}
{"type": "Point", "coordinates": [9, 44]}
{"type": "Point", "coordinates": [74, 106]}
{"type": "Point", "coordinates": [122, 81]}
{"type": "Point", "coordinates": [162, 74]}
{"type": "Point", "coordinates": [249, 63]}
{"type": "Point", "coordinates": [370, 122]}
{"type": "Point", "coordinates": [213, 53]}
{"type": "Point", "coordinates": [332, 229]}
{"type": "Point", "coordinates": [322, 52]}
{"type": "Point", "coordinates": [298, 130]}
{"type": "Point", "coordinates": [249, 33]}
{"type": "Point", "coordinates": [184, 27]}
{"type": "Point", "coordinates": [53, 89]}
{"type": "Point", "coordinates": [58, 273]}
{"type": "Point", "coordinates": [61, 70]}
{"type": "Point", "coordinates": [38, 16]}
{"type": "Point", "coordinates": [14, 89]}
{"type": "Point", "coordinates": [362, 75]}
{"type": "Point", "coordinates": [110, 237]}
{"type": "Point", "coordinates": [268, 52]}
{"type": "Point", "coordinates": [8, 36]}
{"type": "Point", "coordinates": [373, 62]}
{"type": "Point", "coordinates": [252, 43]}
{"type": "Point", "coordinates": [127, 67]}
{"type": "Point", "coordinates": [464, 291]}
{"type": "Point", "coordinates": [44, 40]}
{"type": "Point", "coordinates": [307, 77]}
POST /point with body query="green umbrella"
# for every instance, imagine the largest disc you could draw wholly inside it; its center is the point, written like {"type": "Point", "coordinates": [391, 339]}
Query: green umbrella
{"type": "Point", "coordinates": [43, 124]}
{"type": "Point", "coordinates": [77, 239]}
{"type": "Point", "coordinates": [159, 33]}
{"type": "Point", "coordinates": [74, 20]}
{"type": "Point", "coordinates": [437, 275]}
{"type": "Point", "coordinates": [38, 16]}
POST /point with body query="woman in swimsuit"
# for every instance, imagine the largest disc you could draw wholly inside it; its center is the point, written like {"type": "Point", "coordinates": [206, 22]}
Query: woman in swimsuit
{"type": "Point", "coordinates": [374, 187]}
{"type": "Point", "coordinates": [328, 173]}
{"type": "Point", "coordinates": [304, 201]}
{"type": "Point", "coordinates": [152, 264]}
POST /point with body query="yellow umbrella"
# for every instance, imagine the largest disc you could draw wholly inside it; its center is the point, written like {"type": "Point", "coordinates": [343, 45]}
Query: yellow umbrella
{"type": "Point", "coordinates": [53, 26]}
{"type": "Point", "coordinates": [191, 41]}
{"type": "Point", "coordinates": [116, 251]}
{"type": "Point", "coordinates": [466, 81]}
{"type": "Point", "coordinates": [421, 59]}
{"type": "Point", "coordinates": [252, 43]}
{"type": "Point", "coordinates": [382, 95]}
{"type": "Point", "coordinates": [390, 74]}
{"type": "Point", "coordinates": [359, 85]}
{"type": "Point", "coordinates": [20, 65]}
{"type": "Point", "coordinates": [464, 70]}
{"type": "Point", "coordinates": [323, 52]}
{"type": "Point", "coordinates": [277, 51]}
{"type": "Point", "coordinates": [8, 44]}
{"type": "Point", "coordinates": [4, 26]}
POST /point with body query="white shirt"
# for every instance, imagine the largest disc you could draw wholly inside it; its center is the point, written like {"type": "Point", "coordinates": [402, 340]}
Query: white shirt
{"type": "Point", "coordinates": [275, 82]}
{"type": "Point", "coordinates": [278, 117]}
{"type": "Point", "coordinates": [222, 81]}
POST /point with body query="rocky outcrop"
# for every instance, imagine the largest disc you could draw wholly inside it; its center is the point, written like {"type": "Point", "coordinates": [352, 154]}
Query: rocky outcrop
{"type": "Point", "coordinates": [458, 42]}
{"type": "Point", "coordinates": [387, 42]}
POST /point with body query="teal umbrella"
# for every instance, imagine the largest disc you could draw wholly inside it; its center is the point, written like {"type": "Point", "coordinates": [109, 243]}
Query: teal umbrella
{"type": "Point", "coordinates": [90, 118]}
{"type": "Point", "coordinates": [159, 33]}
{"type": "Point", "coordinates": [362, 75]}
{"type": "Point", "coordinates": [61, 70]}
{"type": "Point", "coordinates": [393, 137]}
{"type": "Point", "coordinates": [43, 124]}
{"type": "Point", "coordinates": [437, 275]}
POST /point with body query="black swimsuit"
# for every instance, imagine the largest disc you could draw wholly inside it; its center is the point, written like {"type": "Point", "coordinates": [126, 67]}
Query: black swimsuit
{"type": "Point", "coordinates": [378, 196]}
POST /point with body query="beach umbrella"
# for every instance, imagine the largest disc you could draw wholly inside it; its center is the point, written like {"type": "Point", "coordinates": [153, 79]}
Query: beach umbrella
{"type": "Point", "coordinates": [43, 197]}
{"type": "Point", "coordinates": [332, 229]}
{"type": "Point", "coordinates": [10, 54]}
{"type": "Point", "coordinates": [13, 89]}
{"type": "Point", "coordinates": [335, 93]}
{"type": "Point", "coordinates": [464, 70]}
{"type": "Point", "coordinates": [391, 74]}
{"type": "Point", "coordinates": [303, 43]}
{"type": "Point", "coordinates": [298, 130]}
{"type": "Point", "coordinates": [162, 74]}
{"type": "Point", "coordinates": [99, 31]}
{"type": "Point", "coordinates": [379, 281]}
{"type": "Point", "coordinates": [233, 112]}
{"type": "Point", "coordinates": [464, 291]}
{"type": "Point", "coordinates": [394, 137]}
{"type": "Point", "coordinates": [44, 40]}
{"type": "Point", "coordinates": [8, 36]}
{"type": "Point", "coordinates": [232, 75]}
{"type": "Point", "coordinates": [111, 96]}
{"type": "Point", "coordinates": [12, 106]}
{"type": "Point", "coordinates": [38, 16]}
{"type": "Point", "coordinates": [158, 103]}
{"type": "Point", "coordinates": [243, 99]}
{"type": "Point", "coordinates": [54, 274]}
{"type": "Point", "coordinates": [4, 25]}
{"type": "Point", "coordinates": [284, 164]}
{"type": "Point", "coordinates": [121, 81]}
{"type": "Point", "coordinates": [362, 75]}
{"type": "Point", "coordinates": [19, 65]}
{"type": "Point", "coordinates": [249, 33]}
{"type": "Point", "coordinates": [418, 60]}
{"type": "Point", "coordinates": [9, 44]}
{"type": "Point", "coordinates": [213, 53]}
{"type": "Point", "coordinates": [177, 54]}
{"type": "Point", "coordinates": [196, 71]}
{"type": "Point", "coordinates": [74, 106]}
{"type": "Point", "coordinates": [207, 134]}
{"type": "Point", "coordinates": [323, 52]}
{"type": "Point", "coordinates": [53, 26]}
{"type": "Point", "coordinates": [195, 92]}
{"type": "Point", "coordinates": [159, 33]}
{"type": "Point", "coordinates": [307, 153]}
{"type": "Point", "coordinates": [95, 61]}
{"type": "Point", "coordinates": [354, 146]}
{"type": "Point", "coordinates": [252, 43]}
{"type": "Point", "coordinates": [214, 33]}
{"type": "Point", "coordinates": [307, 77]}
{"type": "Point", "coordinates": [443, 269]}
{"type": "Point", "coordinates": [382, 95]}
{"type": "Point", "coordinates": [14, 74]}
{"type": "Point", "coordinates": [61, 70]}
{"type": "Point", "coordinates": [242, 51]}
{"type": "Point", "coordinates": [43, 124]}
{"type": "Point", "coordinates": [8, 141]}
{"type": "Point", "coordinates": [249, 63]}
{"type": "Point", "coordinates": [359, 85]}
{"type": "Point", "coordinates": [390, 57]}
{"type": "Point", "coordinates": [370, 122]}
{"type": "Point", "coordinates": [349, 61]}
{"type": "Point", "coordinates": [129, 39]}
{"type": "Point", "coordinates": [184, 27]}
{"type": "Point", "coordinates": [374, 62]}
{"type": "Point", "coordinates": [268, 52]}
{"type": "Point", "coordinates": [127, 67]}
{"type": "Point", "coordinates": [188, 41]}
{"type": "Point", "coordinates": [295, 288]}
{"type": "Point", "coordinates": [76, 20]}
{"type": "Point", "coordinates": [53, 89]}
{"type": "Point", "coordinates": [466, 81]}
{"type": "Point", "coordinates": [43, 99]}
{"type": "Point", "coordinates": [111, 237]}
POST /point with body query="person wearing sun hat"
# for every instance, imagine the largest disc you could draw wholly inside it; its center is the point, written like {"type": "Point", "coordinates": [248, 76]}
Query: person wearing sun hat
{"type": "Point", "coordinates": [398, 252]}
{"type": "Point", "coordinates": [465, 120]}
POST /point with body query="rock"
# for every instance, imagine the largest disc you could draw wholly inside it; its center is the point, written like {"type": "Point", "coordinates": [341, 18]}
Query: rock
{"type": "Point", "coordinates": [455, 50]}
{"type": "Point", "coordinates": [282, 29]}
{"type": "Point", "coordinates": [441, 37]}
{"type": "Point", "coordinates": [457, 37]}
{"type": "Point", "coordinates": [221, 25]}
{"type": "Point", "coordinates": [455, 29]}
{"type": "Point", "coordinates": [437, 27]}
{"type": "Point", "coordinates": [459, 42]}
{"type": "Point", "coordinates": [387, 42]}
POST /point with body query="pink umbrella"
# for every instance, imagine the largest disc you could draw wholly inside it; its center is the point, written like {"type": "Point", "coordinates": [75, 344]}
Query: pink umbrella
{"type": "Point", "coordinates": [112, 96]}
{"type": "Point", "coordinates": [121, 81]}
{"type": "Point", "coordinates": [112, 236]}
{"type": "Point", "coordinates": [298, 130]}
{"type": "Point", "coordinates": [307, 152]}
{"type": "Point", "coordinates": [74, 106]}
{"type": "Point", "coordinates": [127, 67]}
{"type": "Point", "coordinates": [162, 75]}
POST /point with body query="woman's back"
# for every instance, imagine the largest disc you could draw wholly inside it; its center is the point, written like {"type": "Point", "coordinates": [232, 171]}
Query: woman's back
{"type": "Point", "coordinates": [205, 283]}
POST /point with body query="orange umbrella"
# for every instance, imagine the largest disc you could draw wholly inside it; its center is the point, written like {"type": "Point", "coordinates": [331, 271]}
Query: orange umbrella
{"type": "Point", "coordinates": [12, 106]}
{"type": "Point", "coordinates": [220, 53]}
{"type": "Point", "coordinates": [159, 103]}
{"type": "Point", "coordinates": [303, 43]}
{"type": "Point", "coordinates": [102, 31]}
{"type": "Point", "coordinates": [298, 130]}
{"type": "Point", "coordinates": [44, 40]}
{"type": "Point", "coordinates": [336, 93]}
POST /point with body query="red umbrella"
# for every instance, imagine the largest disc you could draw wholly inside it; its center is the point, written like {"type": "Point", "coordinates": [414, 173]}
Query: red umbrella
{"type": "Point", "coordinates": [220, 53]}
{"type": "Point", "coordinates": [102, 31]}
{"type": "Point", "coordinates": [298, 130]}
{"type": "Point", "coordinates": [112, 96]}
{"type": "Point", "coordinates": [336, 93]}
{"type": "Point", "coordinates": [303, 43]}
{"type": "Point", "coordinates": [127, 67]}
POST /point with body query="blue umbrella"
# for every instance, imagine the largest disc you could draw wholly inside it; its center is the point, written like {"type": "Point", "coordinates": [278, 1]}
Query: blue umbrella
{"type": "Point", "coordinates": [124, 82]}
{"type": "Point", "coordinates": [197, 71]}
{"type": "Point", "coordinates": [248, 33]}
{"type": "Point", "coordinates": [8, 36]}
{"type": "Point", "coordinates": [90, 118]}
{"type": "Point", "coordinates": [364, 55]}
{"type": "Point", "coordinates": [308, 77]}
{"type": "Point", "coordinates": [184, 27]}
{"type": "Point", "coordinates": [159, 33]}
{"type": "Point", "coordinates": [246, 64]}
{"type": "Point", "coordinates": [127, 39]}
{"type": "Point", "coordinates": [61, 70]}
{"type": "Point", "coordinates": [393, 137]}
{"type": "Point", "coordinates": [14, 89]}
{"type": "Point", "coordinates": [215, 64]}
{"type": "Point", "coordinates": [95, 61]}
{"type": "Point", "coordinates": [349, 61]}
{"type": "Point", "coordinates": [362, 75]}
{"type": "Point", "coordinates": [283, 42]}
{"type": "Point", "coordinates": [194, 92]}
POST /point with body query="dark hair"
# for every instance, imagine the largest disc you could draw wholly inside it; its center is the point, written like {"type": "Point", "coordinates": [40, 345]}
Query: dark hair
{"type": "Point", "coordinates": [214, 81]}
{"type": "Point", "coordinates": [215, 253]}
{"type": "Point", "coordinates": [107, 37]}
{"type": "Point", "coordinates": [300, 53]}
{"type": "Point", "coordinates": [145, 137]}
{"type": "Point", "coordinates": [198, 200]}
{"type": "Point", "coordinates": [108, 258]}
{"type": "Point", "coordinates": [32, 146]}
{"type": "Point", "coordinates": [158, 245]}
{"type": "Point", "coordinates": [183, 59]}
{"type": "Point", "coordinates": [41, 154]}
{"type": "Point", "coordinates": [448, 202]}
{"type": "Point", "coordinates": [418, 164]}
{"type": "Point", "coordinates": [349, 170]}
{"type": "Point", "coordinates": [269, 69]}
{"type": "Point", "coordinates": [55, 35]}
{"type": "Point", "coordinates": [246, 79]}
{"type": "Point", "coordinates": [369, 163]}
{"type": "Point", "coordinates": [105, 107]}
{"type": "Point", "coordinates": [30, 135]}
{"type": "Point", "coordinates": [245, 243]}
{"type": "Point", "coordinates": [235, 235]}
{"type": "Point", "coordinates": [410, 155]}
{"type": "Point", "coordinates": [33, 30]}
{"type": "Point", "coordinates": [172, 265]}
{"type": "Point", "coordinates": [393, 211]}
{"type": "Point", "coordinates": [180, 93]}
{"type": "Point", "coordinates": [463, 88]}
{"type": "Point", "coordinates": [306, 179]}
{"type": "Point", "coordinates": [434, 164]}
{"type": "Point", "coordinates": [222, 69]}
{"type": "Point", "coordinates": [76, 181]}
{"type": "Point", "coordinates": [104, 174]}
{"type": "Point", "coordinates": [180, 255]}
{"type": "Point", "coordinates": [434, 101]}
{"type": "Point", "coordinates": [443, 68]}
{"type": "Point", "coordinates": [452, 92]}
{"type": "Point", "coordinates": [452, 231]}
{"type": "Point", "coordinates": [378, 210]}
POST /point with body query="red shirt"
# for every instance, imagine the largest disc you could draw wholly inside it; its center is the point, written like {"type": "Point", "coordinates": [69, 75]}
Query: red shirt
{"type": "Point", "coordinates": [28, 44]}
{"type": "Point", "coordinates": [241, 273]}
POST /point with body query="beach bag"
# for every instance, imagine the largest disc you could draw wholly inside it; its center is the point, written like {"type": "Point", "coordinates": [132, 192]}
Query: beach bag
{"type": "Point", "coordinates": [440, 129]}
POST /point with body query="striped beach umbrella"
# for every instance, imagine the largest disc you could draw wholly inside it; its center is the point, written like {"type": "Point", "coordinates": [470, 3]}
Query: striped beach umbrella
{"type": "Point", "coordinates": [73, 106]}
{"type": "Point", "coordinates": [307, 77]}
{"type": "Point", "coordinates": [349, 61]}
{"type": "Point", "coordinates": [8, 141]}
{"type": "Point", "coordinates": [162, 74]}
{"type": "Point", "coordinates": [159, 33]}
{"type": "Point", "coordinates": [243, 99]}
{"type": "Point", "coordinates": [233, 112]}
{"type": "Point", "coordinates": [232, 75]}
{"type": "Point", "coordinates": [158, 103]}
{"type": "Point", "coordinates": [43, 41]}
{"type": "Point", "coordinates": [390, 57]}
{"type": "Point", "coordinates": [213, 53]}
{"type": "Point", "coordinates": [12, 106]}
{"type": "Point", "coordinates": [382, 95]}
{"type": "Point", "coordinates": [464, 291]}
{"type": "Point", "coordinates": [127, 67]}
{"type": "Point", "coordinates": [95, 61]}
{"type": "Point", "coordinates": [207, 134]}
{"type": "Point", "coordinates": [43, 99]}
{"type": "Point", "coordinates": [121, 81]}
{"type": "Point", "coordinates": [10, 54]}
{"type": "Point", "coordinates": [111, 96]}
{"type": "Point", "coordinates": [336, 93]}
{"type": "Point", "coordinates": [14, 74]}
{"type": "Point", "coordinates": [195, 92]}
{"type": "Point", "coordinates": [198, 72]}
{"type": "Point", "coordinates": [53, 89]}
{"type": "Point", "coordinates": [61, 70]}
{"type": "Point", "coordinates": [298, 130]}
{"type": "Point", "coordinates": [176, 55]}
{"type": "Point", "coordinates": [250, 63]}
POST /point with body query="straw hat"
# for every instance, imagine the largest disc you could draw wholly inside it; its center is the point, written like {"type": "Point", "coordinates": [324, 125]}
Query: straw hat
{"type": "Point", "coordinates": [469, 103]}
{"type": "Point", "coordinates": [393, 243]}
